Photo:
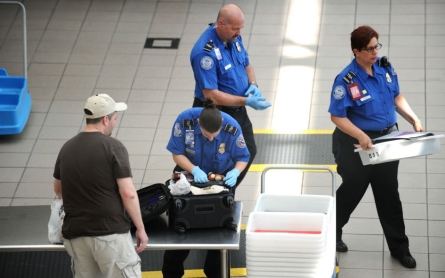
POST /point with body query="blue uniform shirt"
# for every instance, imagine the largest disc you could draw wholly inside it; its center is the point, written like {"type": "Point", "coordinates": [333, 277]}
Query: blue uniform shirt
{"type": "Point", "coordinates": [375, 110]}
{"type": "Point", "coordinates": [215, 156]}
{"type": "Point", "coordinates": [219, 67]}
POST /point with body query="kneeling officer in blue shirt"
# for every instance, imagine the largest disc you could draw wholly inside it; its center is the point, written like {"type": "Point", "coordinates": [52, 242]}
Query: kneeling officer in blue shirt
{"type": "Point", "coordinates": [205, 140]}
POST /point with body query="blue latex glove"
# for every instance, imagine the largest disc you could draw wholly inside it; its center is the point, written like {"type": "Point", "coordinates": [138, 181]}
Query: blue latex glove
{"type": "Point", "coordinates": [255, 103]}
{"type": "Point", "coordinates": [254, 91]}
{"type": "Point", "coordinates": [199, 175]}
{"type": "Point", "coordinates": [231, 176]}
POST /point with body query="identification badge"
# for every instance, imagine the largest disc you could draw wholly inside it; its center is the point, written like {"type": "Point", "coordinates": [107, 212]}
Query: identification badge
{"type": "Point", "coordinates": [189, 137]}
{"type": "Point", "coordinates": [355, 91]}
{"type": "Point", "coordinates": [218, 54]}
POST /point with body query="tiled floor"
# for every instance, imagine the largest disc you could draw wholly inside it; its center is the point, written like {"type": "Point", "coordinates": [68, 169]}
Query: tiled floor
{"type": "Point", "coordinates": [80, 47]}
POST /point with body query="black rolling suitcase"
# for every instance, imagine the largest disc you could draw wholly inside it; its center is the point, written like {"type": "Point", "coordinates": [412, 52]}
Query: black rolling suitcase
{"type": "Point", "coordinates": [202, 211]}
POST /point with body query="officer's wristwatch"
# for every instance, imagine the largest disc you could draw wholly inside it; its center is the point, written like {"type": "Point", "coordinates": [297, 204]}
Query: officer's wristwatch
{"type": "Point", "coordinates": [253, 83]}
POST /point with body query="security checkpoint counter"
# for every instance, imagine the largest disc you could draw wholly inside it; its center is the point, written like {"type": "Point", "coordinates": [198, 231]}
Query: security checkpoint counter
{"type": "Point", "coordinates": [25, 229]}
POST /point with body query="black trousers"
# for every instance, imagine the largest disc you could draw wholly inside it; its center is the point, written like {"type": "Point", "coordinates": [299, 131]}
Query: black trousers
{"type": "Point", "coordinates": [384, 184]}
{"type": "Point", "coordinates": [173, 266]}
{"type": "Point", "coordinates": [240, 115]}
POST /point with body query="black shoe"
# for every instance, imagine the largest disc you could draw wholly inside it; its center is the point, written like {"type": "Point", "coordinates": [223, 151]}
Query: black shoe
{"type": "Point", "coordinates": [406, 260]}
{"type": "Point", "coordinates": [341, 246]}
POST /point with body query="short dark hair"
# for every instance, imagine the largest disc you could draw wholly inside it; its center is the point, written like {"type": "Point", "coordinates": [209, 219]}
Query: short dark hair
{"type": "Point", "coordinates": [361, 36]}
{"type": "Point", "coordinates": [97, 120]}
{"type": "Point", "coordinates": [210, 118]}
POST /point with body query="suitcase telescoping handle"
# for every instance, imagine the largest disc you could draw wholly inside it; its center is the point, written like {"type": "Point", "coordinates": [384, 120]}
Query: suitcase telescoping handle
{"type": "Point", "coordinates": [313, 168]}
{"type": "Point", "coordinates": [204, 209]}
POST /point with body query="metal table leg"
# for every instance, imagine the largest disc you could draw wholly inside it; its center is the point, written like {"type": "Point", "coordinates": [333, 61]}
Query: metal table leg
{"type": "Point", "coordinates": [224, 273]}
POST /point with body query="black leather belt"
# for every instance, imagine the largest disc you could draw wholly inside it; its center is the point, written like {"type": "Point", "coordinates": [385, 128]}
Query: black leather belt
{"type": "Point", "coordinates": [222, 108]}
{"type": "Point", "coordinates": [384, 131]}
{"type": "Point", "coordinates": [230, 109]}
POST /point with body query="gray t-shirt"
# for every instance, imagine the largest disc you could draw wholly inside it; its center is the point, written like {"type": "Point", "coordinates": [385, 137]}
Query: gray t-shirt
{"type": "Point", "coordinates": [88, 166]}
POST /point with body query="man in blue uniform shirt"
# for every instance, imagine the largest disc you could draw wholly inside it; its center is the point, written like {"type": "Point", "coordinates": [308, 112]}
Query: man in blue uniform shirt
{"type": "Point", "coordinates": [205, 140]}
{"type": "Point", "coordinates": [223, 72]}
{"type": "Point", "coordinates": [364, 101]}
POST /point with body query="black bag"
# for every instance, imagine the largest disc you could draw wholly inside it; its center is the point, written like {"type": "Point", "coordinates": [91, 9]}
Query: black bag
{"type": "Point", "coordinates": [153, 200]}
{"type": "Point", "coordinates": [202, 211]}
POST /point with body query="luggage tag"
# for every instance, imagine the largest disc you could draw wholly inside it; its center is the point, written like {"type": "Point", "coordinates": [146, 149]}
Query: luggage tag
{"type": "Point", "coordinates": [190, 137]}
{"type": "Point", "coordinates": [355, 91]}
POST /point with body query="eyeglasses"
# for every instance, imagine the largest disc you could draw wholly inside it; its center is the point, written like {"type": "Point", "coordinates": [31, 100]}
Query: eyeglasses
{"type": "Point", "coordinates": [372, 48]}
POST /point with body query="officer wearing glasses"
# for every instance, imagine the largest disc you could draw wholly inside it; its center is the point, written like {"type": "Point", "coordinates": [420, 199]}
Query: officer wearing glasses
{"type": "Point", "coordinates": [364, 100]}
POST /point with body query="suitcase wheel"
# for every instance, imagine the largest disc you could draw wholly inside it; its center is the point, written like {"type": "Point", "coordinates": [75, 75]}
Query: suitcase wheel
{"type": "Point", "coordinates": [230, 224]}
{"type": "Point", "coordinates": [179, 228]}
{"type": "Point", "coordinates": [228, 202]}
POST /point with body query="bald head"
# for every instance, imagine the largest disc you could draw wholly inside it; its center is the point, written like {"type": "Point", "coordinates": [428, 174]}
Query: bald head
{"type": "Point", "coordinates": [229, 23]}
{"type": "Point", "coordinates": [230, 12]}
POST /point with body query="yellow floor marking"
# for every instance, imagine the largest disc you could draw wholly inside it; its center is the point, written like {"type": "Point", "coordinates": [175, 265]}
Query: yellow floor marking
{"type": "Point", "coordinates": [261, 167]}
{"type": "Point", "coordinates": [195, 273]}
{"type": "Point", "coordinates": [309, 131]}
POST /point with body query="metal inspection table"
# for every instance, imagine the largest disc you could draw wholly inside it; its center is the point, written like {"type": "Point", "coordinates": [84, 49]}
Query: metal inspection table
{"type": "Point", "coordinates": [25, 228]}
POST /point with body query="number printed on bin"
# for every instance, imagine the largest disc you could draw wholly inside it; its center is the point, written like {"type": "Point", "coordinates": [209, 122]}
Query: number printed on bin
{"type": "Point", "coordinates": [373, 155]}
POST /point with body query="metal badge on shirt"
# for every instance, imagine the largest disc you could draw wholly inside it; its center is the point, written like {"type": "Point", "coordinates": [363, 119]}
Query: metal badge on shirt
{"type": "Point", "coordinates": [238, 46]}
{"type": "Point", "coordinates": [388, 78]}
{"type": "Point", "coordinates": [222, 148]}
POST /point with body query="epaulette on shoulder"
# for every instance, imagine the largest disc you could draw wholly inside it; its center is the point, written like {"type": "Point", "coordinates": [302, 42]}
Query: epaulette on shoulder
{"type": "Point", "coordinates": [209, 45]}
{"type": "Point", "coordinates": [230, 129]}
{"type": "Point", "coordinates": [348, 77]}
{"type": "Point", "coordinates": [188, 122]}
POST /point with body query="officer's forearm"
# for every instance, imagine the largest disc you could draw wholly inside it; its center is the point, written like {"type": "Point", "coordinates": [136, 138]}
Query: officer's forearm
{"type": "Point", "coordinates": [225, 99]}
{"type": "Point", "coordinates": [403, 108]}
{"type": "Point", "coordinates": [250, 74]}
{"type": "Point", "coordinates": [240, 165]}
{"type": "Point", "coordinates": [345, 125]}
{"type": "Point", "coordinates": [183, 162]}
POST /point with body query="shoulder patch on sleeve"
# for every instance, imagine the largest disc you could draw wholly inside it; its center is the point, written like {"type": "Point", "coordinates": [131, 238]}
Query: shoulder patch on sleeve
{"type": "Point", "coordinates": [339, 92]}
{"type": "Point", "coordinates": [177, 131]}
{"type": "Point", "coordinates": [206, 62]}
{"type": "Point", "coordinates": [240, 143]}
{"type": "Point", "coordinates": [230, 129]}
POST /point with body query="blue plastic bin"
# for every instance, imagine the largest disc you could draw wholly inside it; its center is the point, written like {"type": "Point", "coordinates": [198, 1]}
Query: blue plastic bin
{"type": "Point", "coordinates": [15, 100]}
{"type": "Point", "coordinates": [3, 72]}
{"type": "Point", "coordinates": [15, 104]}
